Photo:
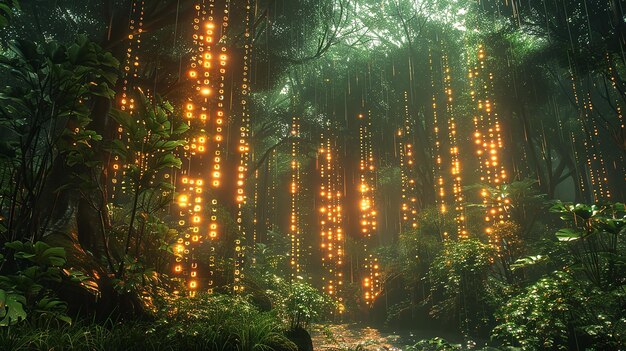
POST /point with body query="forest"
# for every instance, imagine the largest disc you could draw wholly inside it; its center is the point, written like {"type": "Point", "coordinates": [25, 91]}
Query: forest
{"type": "Point", "coordinates": [299, 175]}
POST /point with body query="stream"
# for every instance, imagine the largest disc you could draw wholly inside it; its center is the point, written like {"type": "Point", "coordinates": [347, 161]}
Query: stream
{"type": "Point", "coordinates": [351, 336]}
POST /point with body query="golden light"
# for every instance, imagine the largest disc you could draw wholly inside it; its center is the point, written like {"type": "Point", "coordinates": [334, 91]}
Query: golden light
{"type": "Point", "coordinates": [488, 141]}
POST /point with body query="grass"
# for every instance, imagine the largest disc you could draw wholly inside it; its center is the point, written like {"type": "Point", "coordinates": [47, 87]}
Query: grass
{"type": "Point", "coordinates": [206, 323]}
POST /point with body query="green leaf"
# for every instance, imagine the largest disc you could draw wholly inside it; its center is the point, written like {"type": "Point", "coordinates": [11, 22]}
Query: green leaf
{"type": "Point", "coordinates": [583, 211]}
{"type": "Point", "coordinates": [11, 308]}
{"type": "Point", "coordinates": [180, 129]}
{"type": "Point", "coordinates": [528, 261]}
{"type": "Point", "coordinates": [85, 281]}
{"type": "Point", "coordinates": [54, 256]}
{"type": "Point", "coordinates": [567, 234]}
{"type": "Point", "coordinates": [619, 207]}
{"type": "Point", "coordinates": [16, 245]}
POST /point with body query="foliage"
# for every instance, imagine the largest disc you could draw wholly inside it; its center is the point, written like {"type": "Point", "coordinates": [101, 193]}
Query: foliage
{"type": "Point", "coordinates": [28, 293]}
{"type": "Point", "coordinates": [7, 8]}
{"type": "Point", "coordinates": [150, 152]}
{"type": "Point", "coordinates": [434, 344]}
{"type": "Point", "coordinates": [295, 301]}
{"type": "Point", "coordinates": [326, 61]}
{"type": "Point", "coordinates": [560, 312]}
{"type": "Point", "coordinates": [301, 304]}
{"type": "Point", "coordinates": [596, 241]}
{"type": "Point", "coordinates": [221, 322]}
{"type": "Point", "coordinates": [581, 304]}
{"type": "Point", "coordinates": [459, 278]}
{"type": "Point", "coordinates": [206, 322]}
{"type": "Point", "coordinates": [45, 117]}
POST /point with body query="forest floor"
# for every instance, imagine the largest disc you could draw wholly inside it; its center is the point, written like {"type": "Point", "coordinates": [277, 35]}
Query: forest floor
{"type": "Point", "coordinates": [355, 336]}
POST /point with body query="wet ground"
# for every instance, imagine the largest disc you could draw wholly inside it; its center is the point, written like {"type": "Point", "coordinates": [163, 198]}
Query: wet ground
{"type": "Point", "coordinates": [357, 337]}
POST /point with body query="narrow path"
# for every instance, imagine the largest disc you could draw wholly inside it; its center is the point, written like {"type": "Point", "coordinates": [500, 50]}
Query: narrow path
{"type": "Point", "coordinates": [350, 336]}
{"type": "Point", "coordinates": [359, 337]}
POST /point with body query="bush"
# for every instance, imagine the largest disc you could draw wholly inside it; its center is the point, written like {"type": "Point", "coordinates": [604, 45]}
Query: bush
{"type": "Point", "coordinates": [460, 284]}
{"type": "Point", "coordinates": [559, 312]}
{"type": "Point", "coordinates": [220, 322]}
{"type": "Point", "coordinates": [301, 304]}
{"type": "Point", "coordinates": [206, 322]}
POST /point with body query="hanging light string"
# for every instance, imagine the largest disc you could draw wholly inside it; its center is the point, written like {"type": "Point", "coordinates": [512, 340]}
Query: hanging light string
{"type": "Point", "coordinates": [440, 193]}
{"type": "Point", "coordinates": [408, 172]}
{"type": "Point", "coordinates": [130, 74]}
{"type": "Point", "coordinates": [339, 238]}
{"type": "Point", "coordinates": [593, 159]}
{"type": "Point", "coordinates": [272, 170]}
{"type": "Point", "coordinates": [331, 218]}
{"type": "Point", "coordinates": [294, 191]}
{"type": "Point", "coordinates": [190, 213]}
{"type": "Point", "coordinates": [255, 216]}
{"type": "Point", "coordinates": [243, 148]}
{"type": "Point", "coordinates": [219, 123]}
{"type": "Point", "coordinates": [580, 174]}
{"type": "Point", "coordinates": [596, 154]}
{"type": "Point", "coordinates": [618, 110]}
{"type": "Point", "coordinates": [191, 196]}
{"type": "Point", "coordinates": [367, 208]}
{"type": "Point", "coordinates": [324, 162]}
{"type": "Point", "coordinates": [488, 139]}
{"type": "Point", "coordinates": [457, 187]}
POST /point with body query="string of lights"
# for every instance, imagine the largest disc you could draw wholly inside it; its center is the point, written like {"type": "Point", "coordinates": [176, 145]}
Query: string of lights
{"type": "Point", "coordinates": [331, 219]}
{"type": "Point", "coordinates": [488, 139]}
{"type": "Point", "coordinates": [191, 197]}
{"type": "Point", "coordinates": [618, 107]}
{"type": "Point", "coordinates": [127, 101]}
{"type": "Point", "coordinates": [457, 188]}
{"type": "Point", "coordinates": [367, 209]}
{"type": "Point", "coordinates": [219, 124]}
{"type": "Point", "coordinates": [581, 181]}
{"type": "Point", "coordinates": [294, 191]}
{"type": "Point", "coordinates": [243, 149]}
{"type": "Point", "coordinates": [440, 193]}
{"type": "Point", "coordinates": [255, 215]}
{"type": "Point", "coordinates": [407, 171]}
{"type": "Point", "coordinates": [596, 154]}
{"type": "Point", "coordinates": [596, 170]}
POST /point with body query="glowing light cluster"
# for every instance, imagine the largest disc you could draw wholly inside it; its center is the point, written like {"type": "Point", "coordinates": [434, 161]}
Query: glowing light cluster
{"type": "Point", "coordinates": [618, 108]}
{"type": "Point", "coordinates": [408, 171]}
{"type": "Point", "coordinates": [204, 111]}
{"type": "Point", "coordinates": [488, 140]}
{"type": "Point", "coordinates": [367, 209]}
{"type": "Point", "coordinates": [243, 148]}
{"type": "Point", "coordinates": [294, 191]}
{"type": "Point", "coordinates": [331, 219]}
{"type": "Point", "coordinates": [190, 208]}
{"type": "Point", "coordinates": [218, 137]}
{"type": "Point", "coordinates": [596, 168]}
{"type": "Point", "coordinates": [130, 74]}
{"type": "Point", "coordinates": [440, 196]}
{"type": "Point", "coordinates": [457, 187]}
{"type": "Point", "coordinates": [596, 161]}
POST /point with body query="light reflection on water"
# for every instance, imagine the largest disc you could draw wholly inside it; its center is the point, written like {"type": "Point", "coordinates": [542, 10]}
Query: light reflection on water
{"type": "Point", "coordinates": [350, 336]}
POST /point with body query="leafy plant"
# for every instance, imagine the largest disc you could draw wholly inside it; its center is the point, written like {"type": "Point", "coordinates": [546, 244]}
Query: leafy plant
{"type": "Point", "coordinates": [232, 323]}
{"type": "Point", "coordinates": [150, 151]}
{"type": "Point", "coordinates": [28, 292]}
{"type": "Point", "coordinates": [45, 116]}
{"type": "Point", "coordinates": [460, 285]}
{"type": "Point", "coordinates": [596, 241]}
{"type": "Point", "coordinates": [539, 318]}
{"type": "Point", "coordinates": [302, 304]}
{"type": "Point", "coordinates": [580, 305]}
{"type": "Point", "coordinates": [7, 9]}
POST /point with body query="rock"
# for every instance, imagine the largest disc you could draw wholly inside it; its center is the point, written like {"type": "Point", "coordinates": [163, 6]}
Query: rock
{"type": "Point", "coordinates": [301, 338]}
